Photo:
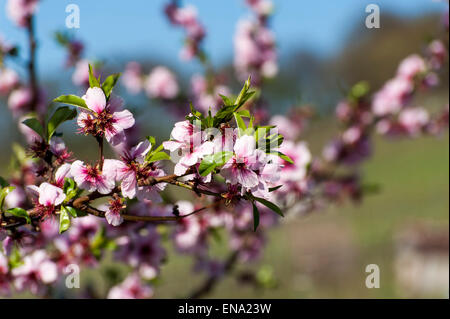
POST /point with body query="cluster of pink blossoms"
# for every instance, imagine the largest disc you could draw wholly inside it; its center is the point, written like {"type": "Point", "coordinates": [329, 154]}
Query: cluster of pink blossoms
{"type": "Point", "coordinates": [186, 17]}
{"type": "Point", "coordinates": [254, 45]}
{"type": "Point", "coordinates": [160, 83]}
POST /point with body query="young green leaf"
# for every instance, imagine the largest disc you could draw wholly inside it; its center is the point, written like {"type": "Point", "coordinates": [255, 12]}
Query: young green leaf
{"type": "Point", "coordinates": [75, 212]}
{"type": "Point", "coordinates": [226, 100]}
{"type": "Point", "coordinates": [109, 84]}
{"type": "Point", "coordinates": [64, 220]}
{"type": "Point", "coordinates": [210, 162]}
{"type": "Point", "coordinates": [21, 213]}
{"type": "Point", "coordinates": [270, 205]}
{"type": "Point", "coordinates": [72, 100]}
{"type": "Point", "coordinates": [240, 123]}
{"type": "Point", "coordinates": [158, 156]}
{"type": "Point", "coordinates": [282, 156]}
{"type": "Point", "coordinates": [93, 81]}
{"type": "Point", "coordinates": [61, 115]}
{"type": "Point", "coordinates": [35, 125]}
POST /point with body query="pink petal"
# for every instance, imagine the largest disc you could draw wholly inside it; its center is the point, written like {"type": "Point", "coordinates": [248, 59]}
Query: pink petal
{"type": "Point", "coordinates": [50, 195]}
{"type": "Point", "coordinates": [246, 177]}
{"type": "Point", "coordinates": [113, 218]}
{"type": "Point", "coordinates": [140, 150]}
{"type": "Point", "coordinates": [62, 172]}
{"type": "Point", "coordinates": [123, 120]}
{"type": "Point", "coordinates": [172, 146]}
{"type": "Point", "coordinates": [245, 146]}
{"type": "Point", "coordinates": [129, 185]}
{"type": "Point", "coordinates": [95, 99]}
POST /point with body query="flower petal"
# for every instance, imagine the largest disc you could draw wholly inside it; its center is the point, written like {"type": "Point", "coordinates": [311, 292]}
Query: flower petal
{"type": "Point", "coordinates": [95, 99]}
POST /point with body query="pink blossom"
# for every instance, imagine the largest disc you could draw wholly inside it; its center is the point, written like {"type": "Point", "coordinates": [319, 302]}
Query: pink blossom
{"type": "Point", "coordinates": [132, 77]}
{"type": "Point", "coordinates": [414, 119]}
{"type": "Point", "coordinates": [287, 127]}
{"type": "Point", "coordinates": [48, 195]}
{"type": "Point", "coordinates": [161, 83]}
{"type": "Point", "coordinates": [4, 280]}
{"type": "Point", "coordinates": [239, 169]}
{"type": "Point", "coordinates": [37, 268]}
{"type": "Point", "coordinates": [61, 173]}
{"type": "Point", "coordinates": [189, 235]}
{"type": "Point", "coordinates": [15, 198]}
{"type": "Point", "coordinates": [392, 97]}
{"type": "Point", "coordinates": [142, 251]}
{"type": "Point", "coordinates": [8, 80]}
{"type": "Point", "coordinates": [411, 66]}
{"type": "Point", "coordinates": [105, 119]}
{"type": "Point", "coordinates": [91, 178]}
{"type": "Point", "coordinates": [80, 75]}
{"type": "Point", "coordinates": [20, 11]}
{"type": "Point", "coordinates": [112, 215]}
{"type": "Point", "coordinates": [19, 100]}
{"type": "Point", "coordinates": [300, 155]}
{"type": "Point", "coordinates": [187, 138]}
{"type": "Point", "coordinates": [130, 168]}
{"type": "Point", "coordinates": [437, 51]}
{"type": "Point", "coordinates": [131, 288]}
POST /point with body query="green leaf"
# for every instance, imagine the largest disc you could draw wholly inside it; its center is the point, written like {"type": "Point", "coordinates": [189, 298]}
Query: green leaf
{"type": "Point", "coordinates": [61, 115]}
{"type": "Point", "coordinates": [109, 84]}
{"type": "Point", "coordinates": [152, 140]}
{"type": "Point", "coordinates": [93, 81]}
{"type": "Point", "coordinates": [226, 100]}
{"type": "Point", "coordinates": [224, 115]}
{"type": "Point", "coordinates": [272, 189]}
{"type": "Point", "coordinates": [64, 220]}
{"type": "Point", "coordinates": [359, 90]}
{"type": "Point", "coordinates": [210, 162]}
{"type": "Point", "coordinates": [72, 100]}
{"type": "Point", "coordinates": [240, 123]}
{"type": "Point", "coordinates": [243, 92]}
{"type": "Point", "coordinates": [35, 125]}
{"type": "Point", "coordinates": [75, 212]}
{"type": "Point", "coordinates": [255, 217]}
{"type": "Point", "coordinates": [283, 156]}
{"type": "Point", "coordinates": [21, 213]}
{"type": "Point", "coordinates": [270, 205]}
{"type": "Point", "coordinates": [159, 156]}
{"type": "Point", "coordinates": [3, 193]}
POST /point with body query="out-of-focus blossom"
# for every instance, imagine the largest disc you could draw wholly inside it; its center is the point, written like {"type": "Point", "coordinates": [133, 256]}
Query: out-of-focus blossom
{"type": "Point", "coordinates": [131, 288]}
{"type": "Point", "coordinates": [254, 51]}
{"type": "Point", "coordinates": [20, 11]}
{"type": "Point", "coordinates": [186, 17]}
{"type": "Point", "coordinates": [132, 77]}
{"type": "Point", "coordinates": [8, 80]}
{"type": "Point", "coordinates": [161, 83]}
{"type": "Point", "coordinates": [19, 101]}
{"type": "Point", "coordinates": [37, 269]}
{"type": "Point", "coordinates": [207, 96]}
{"type": "Point", "coordinates": [80, 75]}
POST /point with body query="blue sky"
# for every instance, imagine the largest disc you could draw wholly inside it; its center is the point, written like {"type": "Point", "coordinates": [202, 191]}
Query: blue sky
{"type": "Point", "coordinates": [136, 28]}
